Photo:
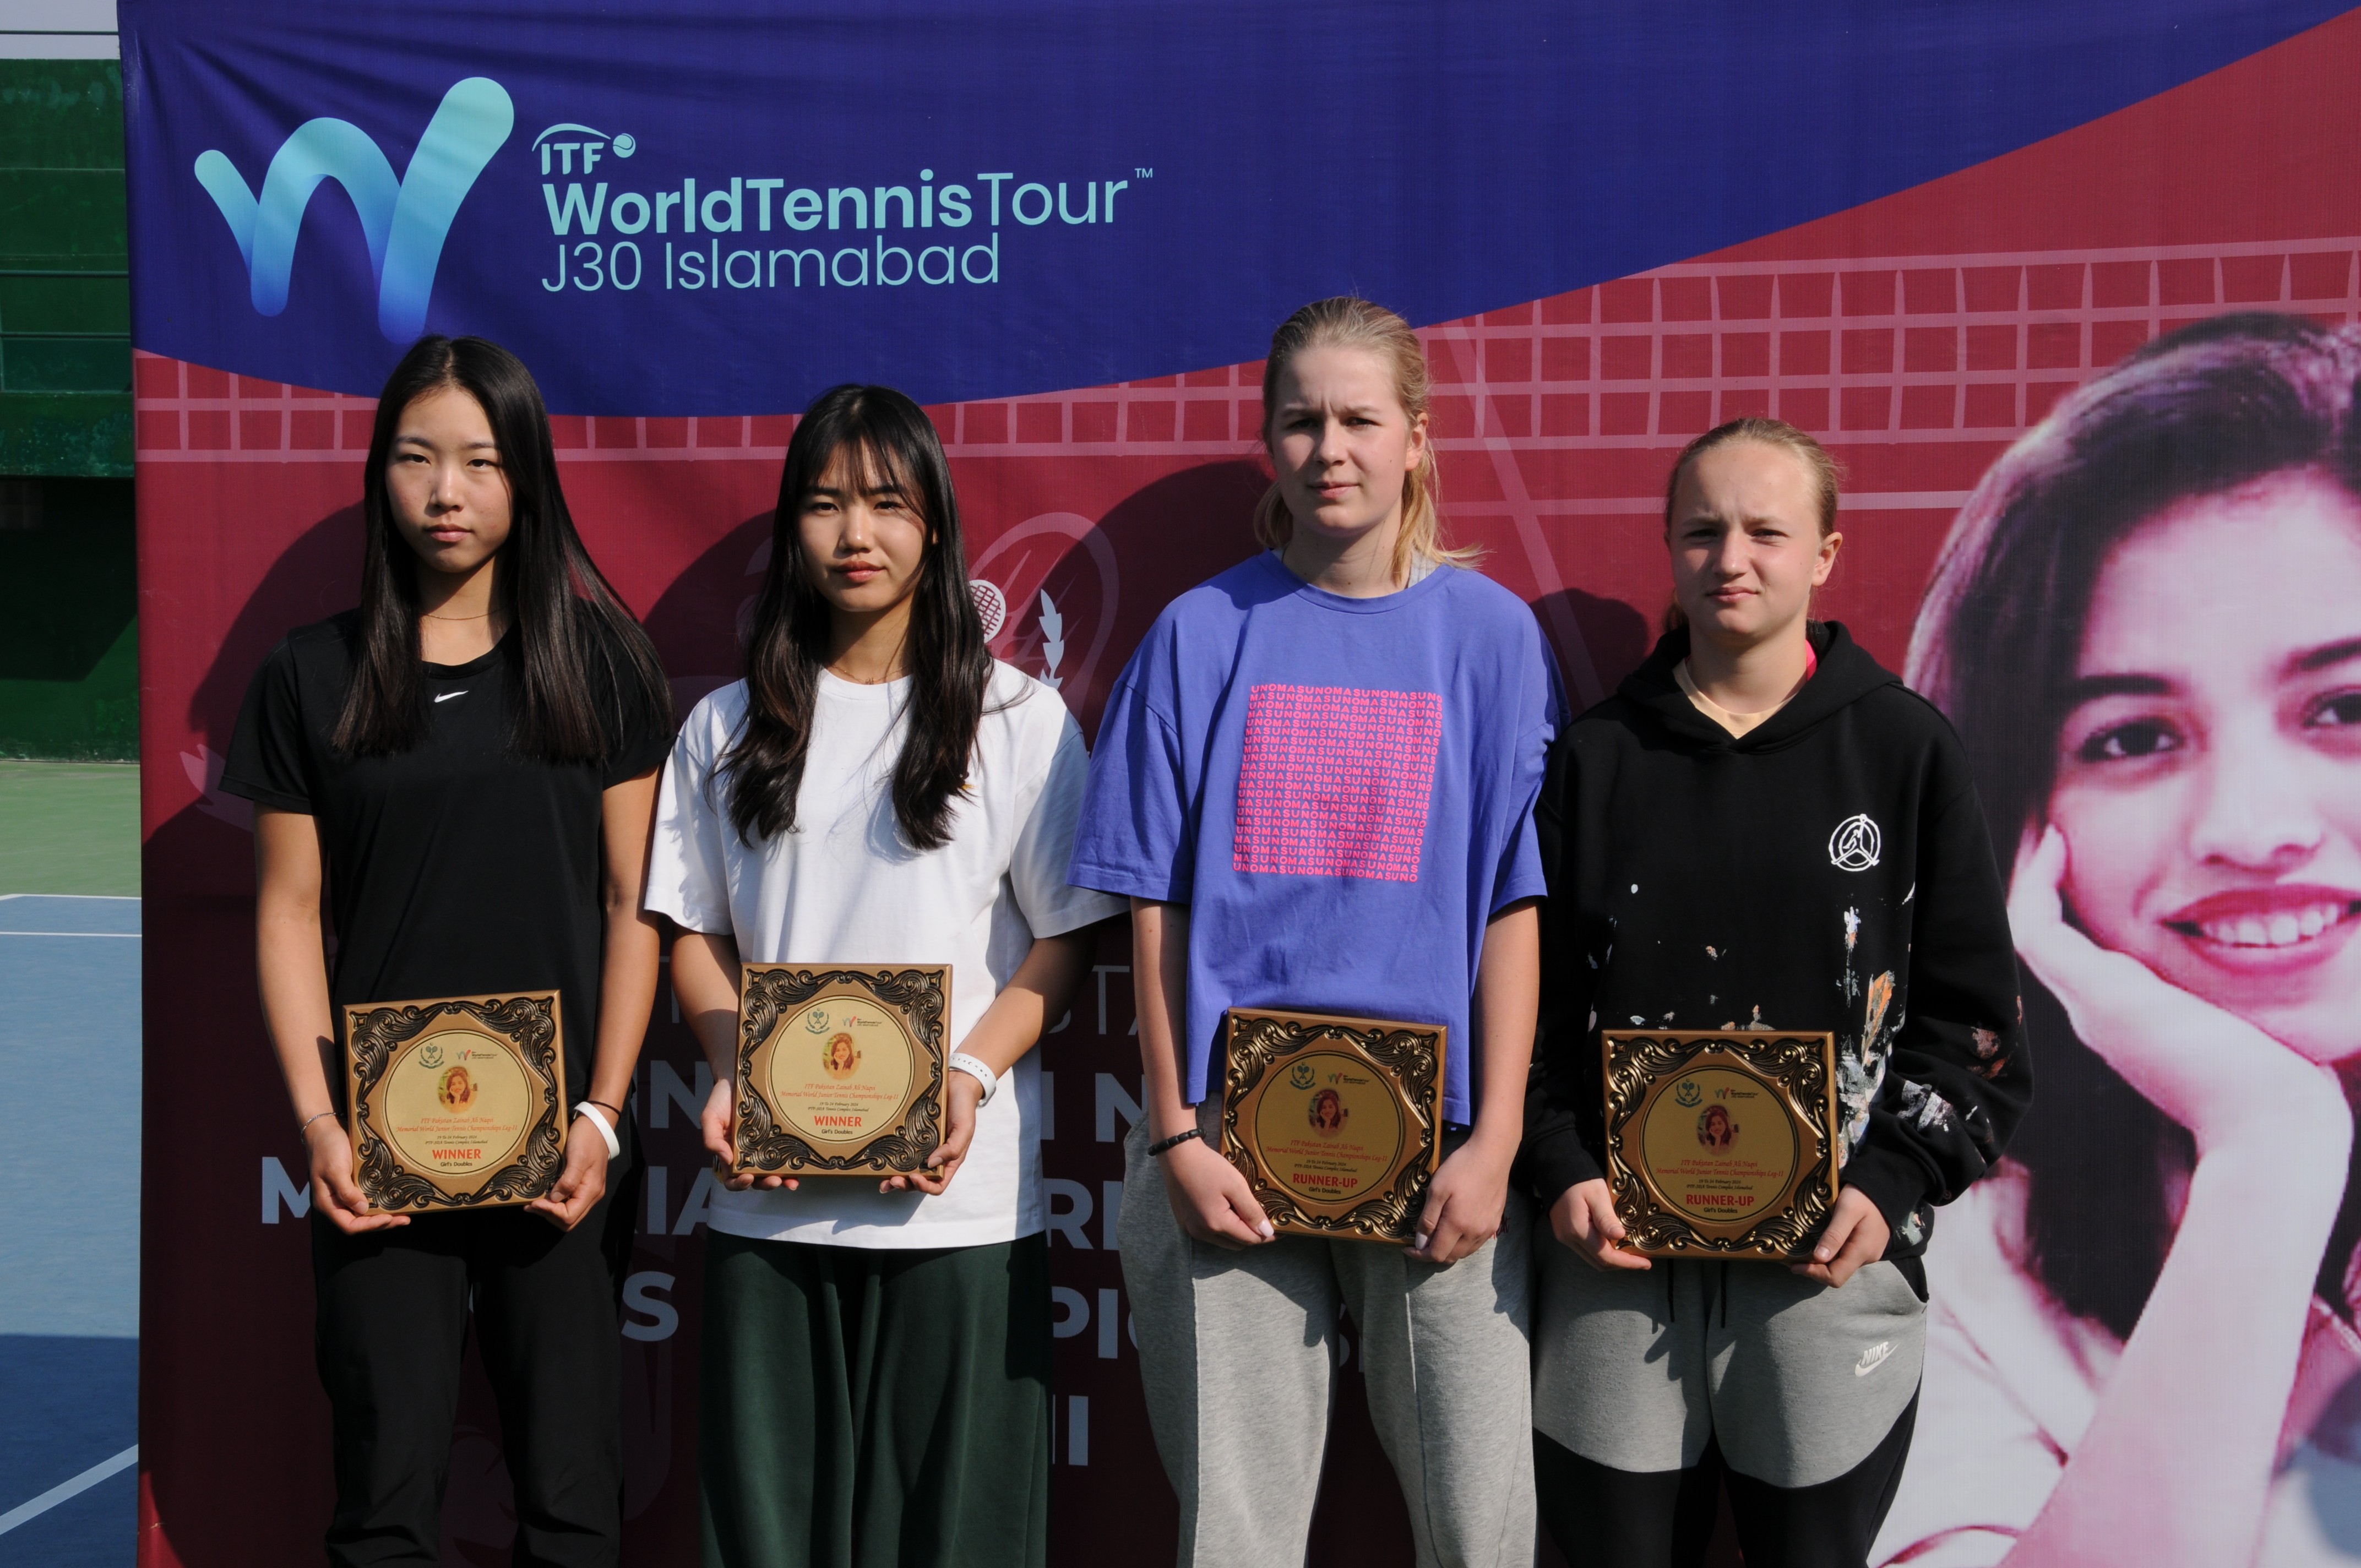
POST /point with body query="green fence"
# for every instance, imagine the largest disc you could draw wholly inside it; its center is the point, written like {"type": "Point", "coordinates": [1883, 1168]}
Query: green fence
{"type": "Point", "coordinates": [69, 643]}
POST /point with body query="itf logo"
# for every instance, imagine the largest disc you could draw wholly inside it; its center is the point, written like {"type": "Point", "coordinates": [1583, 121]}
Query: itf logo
{"type": "Point", "coordinates": [404, 220]}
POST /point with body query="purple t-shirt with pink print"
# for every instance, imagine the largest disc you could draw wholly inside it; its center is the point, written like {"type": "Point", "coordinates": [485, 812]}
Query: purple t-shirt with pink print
{"type": "Point", "coordinates": [1341, 790]}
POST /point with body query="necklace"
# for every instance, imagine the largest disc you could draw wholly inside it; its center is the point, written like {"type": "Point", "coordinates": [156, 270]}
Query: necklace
{"type": "Point", "coordinates": [486, 616]}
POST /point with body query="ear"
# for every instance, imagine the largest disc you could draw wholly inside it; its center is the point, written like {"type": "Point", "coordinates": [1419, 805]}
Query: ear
{"type": "Point", "coordinates": [1414, 450]}
{"type": "Point", "coordinates": [1827, 562]}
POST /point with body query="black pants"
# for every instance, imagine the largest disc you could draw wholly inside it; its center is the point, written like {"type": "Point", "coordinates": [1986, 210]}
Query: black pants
{"type": "Point", "coordinates": [875, 1406]}
{"type": "Point", "coordinates": [394, 1308]}
{"type": "Point", "coordinates": [1604, 1517]}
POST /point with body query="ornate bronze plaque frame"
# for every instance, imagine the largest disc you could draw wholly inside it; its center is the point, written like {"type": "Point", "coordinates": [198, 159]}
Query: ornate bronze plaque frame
{"type": "Point", "coordinates": [496, 1067]}
{"type": "Point", "coordinates": [839, 1017]}
{"type": "Point", "coordinates": [1287, 1069]}
{"type": "Point", "coordinates": [1691, 1095]}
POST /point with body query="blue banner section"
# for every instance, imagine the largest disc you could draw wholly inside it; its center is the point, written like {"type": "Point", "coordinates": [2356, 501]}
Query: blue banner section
{"type": "Point", "coordinates": [717, 208]}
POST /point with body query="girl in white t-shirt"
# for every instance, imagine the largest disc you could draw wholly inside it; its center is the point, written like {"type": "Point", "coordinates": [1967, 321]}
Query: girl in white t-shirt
{"type": "Point", "coordinates": [878, 790]}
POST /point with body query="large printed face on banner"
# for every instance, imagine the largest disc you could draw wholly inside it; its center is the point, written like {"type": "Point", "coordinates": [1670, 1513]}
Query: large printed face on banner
{"type": "Point", "coordinates": [2207, 788]}
{"type": "Point", "coordinates": [2093, 393]}
{"type": "Point", "coordinates": [2145, 626]}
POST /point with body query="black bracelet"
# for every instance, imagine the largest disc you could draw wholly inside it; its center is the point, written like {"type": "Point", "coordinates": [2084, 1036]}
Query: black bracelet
{"type": "Point", "coordinates": [1173, 1142]}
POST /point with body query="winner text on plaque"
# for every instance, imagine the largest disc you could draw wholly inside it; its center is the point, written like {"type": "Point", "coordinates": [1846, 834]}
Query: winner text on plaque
{"type": "Point", "coordinates": [1721, 1143]}
{"type": "Point", "coordinates": [458, 1102]}
{"type": "Point", "coordinates": [1336, 1123]}
{"type": "Point", "coordinates": [840, 1067]}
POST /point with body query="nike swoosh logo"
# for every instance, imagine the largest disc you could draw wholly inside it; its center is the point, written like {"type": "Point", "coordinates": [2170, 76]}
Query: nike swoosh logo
{"type": "Point", "coordinates": [446, 696]}
{"type": "Point", "coordinates": [1873, 1358]}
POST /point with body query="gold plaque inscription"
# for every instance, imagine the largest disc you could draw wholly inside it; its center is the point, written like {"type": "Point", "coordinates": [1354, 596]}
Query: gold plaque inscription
{"type": "Point", "coordinates": [1332, 1130]}
{"type": "Point", "coordinates": [1716, 1146]}
{"type": "Point", "coordinates": [840, 1070]}
{"type": "Point", "coordinates": [457, 1103]}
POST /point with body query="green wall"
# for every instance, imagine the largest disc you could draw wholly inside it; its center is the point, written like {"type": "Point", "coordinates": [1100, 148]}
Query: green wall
{"type": "Point", "coordinates": [65, 300]}
{"type": "Point", "coordinates": [69, 644]}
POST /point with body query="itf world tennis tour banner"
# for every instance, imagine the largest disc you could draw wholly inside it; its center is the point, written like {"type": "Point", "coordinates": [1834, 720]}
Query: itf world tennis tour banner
{"type": "Point", "coordinates": [2072, 291]}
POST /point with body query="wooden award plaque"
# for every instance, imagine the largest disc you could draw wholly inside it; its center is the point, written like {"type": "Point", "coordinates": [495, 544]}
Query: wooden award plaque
{"type": "Point", "coordinates": [1335, 1122]}
{"type": "Point", "coordinates": [458, 1102]}
{"type": "Point", "coordinates": [1722, 1143]}
{"type": "Point", "coordinates": [840, 1067]}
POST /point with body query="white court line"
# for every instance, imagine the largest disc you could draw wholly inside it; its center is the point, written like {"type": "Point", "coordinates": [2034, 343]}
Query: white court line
{"type": "Point", "coordinates": [96, 897]}
{"type": "Point", "coordinates": [65, 1489]}
{"type": "Point", "coordinates": [125, 936]}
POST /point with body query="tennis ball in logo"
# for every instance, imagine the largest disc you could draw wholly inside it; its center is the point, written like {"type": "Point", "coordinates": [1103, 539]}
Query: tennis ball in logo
{"type": "Point", "coordinates": [626, 144]}
{"type": "Point", "coordinates": [1302, 1075]}
{"type": "Point", "coordinates": [1688, 1093]}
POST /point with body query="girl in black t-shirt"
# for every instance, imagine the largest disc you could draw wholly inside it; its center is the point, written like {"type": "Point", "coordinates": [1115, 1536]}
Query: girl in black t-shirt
{"type": "Point", "coordinates": [467, 763]}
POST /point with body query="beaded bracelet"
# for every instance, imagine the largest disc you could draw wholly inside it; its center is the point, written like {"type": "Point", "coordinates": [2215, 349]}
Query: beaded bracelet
{"type": "Point", "coordinates": [1175, 1141]}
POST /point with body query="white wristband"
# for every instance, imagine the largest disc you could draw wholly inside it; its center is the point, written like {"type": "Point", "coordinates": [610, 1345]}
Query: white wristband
{"type": "Point", "coordinates": [963, 1062]}
{"type": "Point", "coordinates": [605, 1128]}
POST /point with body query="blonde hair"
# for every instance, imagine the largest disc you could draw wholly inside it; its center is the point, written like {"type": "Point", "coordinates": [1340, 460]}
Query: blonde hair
{"type": "Point", "coordinates": [1348, 323]}
{"type": "Point", "coordinates": [1826, 473]}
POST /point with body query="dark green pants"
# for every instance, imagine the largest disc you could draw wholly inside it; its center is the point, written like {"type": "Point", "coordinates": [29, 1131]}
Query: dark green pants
{"type": "Point", "coordinates": [868, 1407]}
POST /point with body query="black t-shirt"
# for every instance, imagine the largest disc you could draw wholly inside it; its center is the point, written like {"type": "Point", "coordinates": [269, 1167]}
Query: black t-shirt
{"type": "Point", "coordinates": [460, 868]}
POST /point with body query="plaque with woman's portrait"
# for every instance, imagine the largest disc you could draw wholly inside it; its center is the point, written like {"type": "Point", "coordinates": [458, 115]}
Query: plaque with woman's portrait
{"type": "Point", "coordinates": [457, 1103]}
{"type": "Point", "coordinates": [840, 1067]}
{"type": "Point", "coordinates": [1721, 1143]}
{"type": "Point", "coordinates": [1336, 1123]}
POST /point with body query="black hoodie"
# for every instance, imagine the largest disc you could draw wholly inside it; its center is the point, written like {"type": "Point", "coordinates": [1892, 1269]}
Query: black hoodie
{"type": "Point", "coordinates": [1830, 870]}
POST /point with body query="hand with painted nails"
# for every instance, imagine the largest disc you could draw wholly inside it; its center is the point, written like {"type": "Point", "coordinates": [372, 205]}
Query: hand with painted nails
{"type": "Point", "coordinates": [1210, 1199]}
{"type": "Point", "coordinates": [1464, 1202]}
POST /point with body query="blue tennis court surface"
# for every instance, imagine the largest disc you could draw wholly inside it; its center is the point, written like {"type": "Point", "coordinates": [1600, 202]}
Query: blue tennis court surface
{"type": "Point", "coordinates": [69, 1229]}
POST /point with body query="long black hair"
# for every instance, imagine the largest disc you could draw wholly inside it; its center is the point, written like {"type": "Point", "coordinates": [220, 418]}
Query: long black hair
{"type": "Point", "coordinates": [584, 662]}
{"type": "Point", "coordinates": [895, 447]}
{"type": "Point", "coordinates": [2202, 412]}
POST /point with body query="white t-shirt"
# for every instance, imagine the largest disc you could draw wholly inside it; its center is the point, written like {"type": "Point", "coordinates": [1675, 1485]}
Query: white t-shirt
{"type": "Point", "coordinates": [845, 887]}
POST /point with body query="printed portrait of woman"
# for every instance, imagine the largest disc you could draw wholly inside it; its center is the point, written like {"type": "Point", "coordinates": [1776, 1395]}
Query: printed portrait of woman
{"type": "Point", "coordinates": [458, 1090]}
{"type": "Point", "coordinates": [839, 1057]}
{"type": "Point", "coordinates": [1716, 1131]}
{"type": "Point", "coordinates": [1328, 1111]}
{"type": "Point", "coordinates": [2147, 626]}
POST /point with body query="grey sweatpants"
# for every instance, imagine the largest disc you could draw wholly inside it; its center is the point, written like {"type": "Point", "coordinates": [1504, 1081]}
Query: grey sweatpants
{"type": "Point", "coordinates": [1239, 1352]}
{"type": "Point", "coordinates": [1796, 1381]}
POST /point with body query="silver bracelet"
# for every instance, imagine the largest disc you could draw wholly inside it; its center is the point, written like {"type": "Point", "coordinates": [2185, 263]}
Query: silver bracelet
{"type": "Point", "coordinates": [963, 1062]}
{"type": "Point", "coordinates": [304, 1125]}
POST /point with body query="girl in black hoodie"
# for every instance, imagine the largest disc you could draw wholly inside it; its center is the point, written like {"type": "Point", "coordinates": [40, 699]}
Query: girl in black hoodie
{"type": "Point", "coordinates": [1764, 828]}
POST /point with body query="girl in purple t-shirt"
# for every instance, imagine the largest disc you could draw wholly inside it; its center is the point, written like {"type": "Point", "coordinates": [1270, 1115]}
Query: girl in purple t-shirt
{"type": "Point", "coordinates": [1315, 784]}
